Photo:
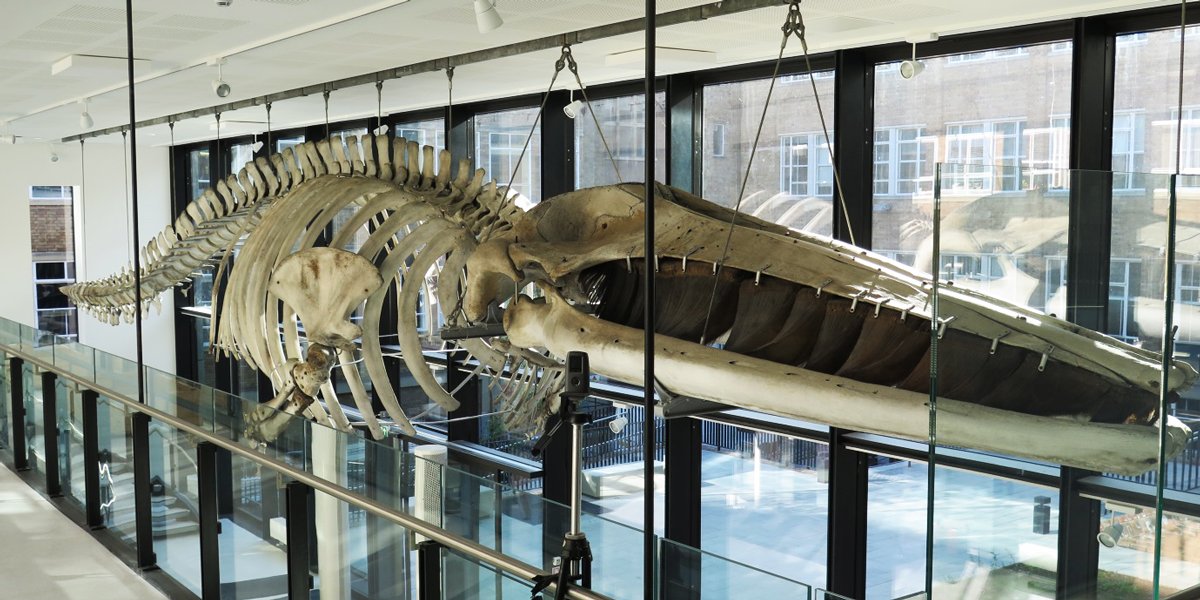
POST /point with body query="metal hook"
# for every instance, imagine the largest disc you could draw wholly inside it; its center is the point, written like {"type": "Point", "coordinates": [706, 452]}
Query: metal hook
{"type": "Point", "coordinates": [996, 342]}
{"type": "Point", "coordinates": [857, 297]}
{"type": "Point", "coordinates": [822, 286]}
{"type": "Point", "coordinates": [942, 323]}
{"type": "Point", "coordinates": [628, 263]}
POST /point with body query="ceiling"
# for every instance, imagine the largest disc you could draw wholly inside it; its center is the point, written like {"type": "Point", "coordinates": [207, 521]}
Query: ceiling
{"type": "Point", "coordinates": [275, 45]}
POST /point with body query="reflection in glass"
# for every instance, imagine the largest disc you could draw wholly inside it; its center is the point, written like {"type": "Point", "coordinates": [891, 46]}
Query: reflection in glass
{"type": "Point", "coordinates": [1127, 553]}
{"type": "Point", "coordinates": [791, 179]}
{"type": "Point", "coordinates": [431, 132]}
{"type": "Point", "coordinates": [623, 121]}
{"type": "Point", "coordinates": [115, 443]}
{"type": "Point", "coordinates": [1003, 118]}
{"type": "Point", "coordinates": [174, 504]}
{"type": "Point", "coordinates": [764, 500]}
{"type": "Point", "coordinates": [499, 139]}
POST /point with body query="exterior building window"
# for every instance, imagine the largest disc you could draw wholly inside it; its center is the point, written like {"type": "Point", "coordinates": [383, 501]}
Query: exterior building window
{"type": "Point", "coordinates": [503, 150]}
{"type": "Point", "coordinates": [629, 121]}
{"type": "Point", "coordinates": [622, 121]}
{"type": "Point", "coordinates": [239, 155]}
{"type": "Point", "coordinates": [972, 57]}
{"type": "Point", "coordinates": [1189, 157]}
{"type": "Point", "coordinates": [1048, 155]}
{"type": "Point", "coordinates": [1129, 149]}
{"type": "Point", "coordinates": [805, 168]}
{"type": "Point", "coordinates": [1120, 315]}
{"type": "Point", "coordinates": [904, 161]}
{"type": "Point", "coordinates": [499, 140]}
{"type": "Point", "coordinates": [52, 242]}
{"type": "Point", "coordinates": [986, 151]}
{"type": "Point", "coordinates": [200, 177]}
{"type": "Point", "coordinates": [430, 132]}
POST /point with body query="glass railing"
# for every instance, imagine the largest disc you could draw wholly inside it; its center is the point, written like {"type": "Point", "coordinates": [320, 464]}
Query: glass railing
{"type": "Point", "coordinates": [1013, 380]}
{"type": "Point", "coordinates": [516, 523]}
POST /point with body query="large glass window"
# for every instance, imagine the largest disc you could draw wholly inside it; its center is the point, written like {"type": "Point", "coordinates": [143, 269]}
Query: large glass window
{"type": "Point", "coordinates": [764, 500]}
{"type": "Point", "coordinates": [1000, 121]}
{"type": "Point", "coordinates": [623, 121]}
{"type": "Point", "coordinates": [199, 177]}
{"type": "Point", "coordinates": [499, 139]}
{"type": "Point", "coordinates": [791, 178]}
{"type": "Point", "coordinates": [52, 242]}
{"type": "Point", "coordinates": [427, 132]}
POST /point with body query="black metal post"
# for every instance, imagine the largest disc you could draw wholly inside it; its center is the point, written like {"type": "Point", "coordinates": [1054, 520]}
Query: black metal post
{"type": "Point", "coordinates": [16, 392]}
{"type": "Point", "coordinates": [681, 566]}
{"type": "Point", "coordinates": [429, 570]}
{"type": "Point", "coordinates": [648, 436]}
{"type": "Point", "coordinates": [847, 553]}
{"type": "Point", "coordinates": [299, 507]}
{"type": "Point", "coordinates": [1089, 234]}
{"type": "Point", "coordinates": [91, 460]}
{"type": "Point", "coordinates": [853, 136]}
{"type": "Point", "coordinates": [210, 524]}
{"type": "Point", "coordinates": [558, 133]}
{"type": "Point", "coordinates": [146, 558]}
{"type": "Point", "coordinates": [50, 433]}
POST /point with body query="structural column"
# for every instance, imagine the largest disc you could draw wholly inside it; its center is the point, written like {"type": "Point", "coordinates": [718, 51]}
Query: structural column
{"type": "Point", "coordinates": [91, 459]}
{"type": "Point", "coordinates": [210, 525]}
{"type": "Point", "coordinates": [50, 433]}
{"type": "Point", "coordinates": [16, 393]}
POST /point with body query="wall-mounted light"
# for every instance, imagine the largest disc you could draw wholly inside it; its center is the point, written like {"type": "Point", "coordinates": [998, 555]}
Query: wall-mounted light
{"type": "Point", "coordinates": [618, 424]}
{"type": "Point", "coordinates": [381, 130]}
{"type": "Point", "coordinates": [486, 17]}
{"type": "Point", "coordinates": [1110, 535]}
{"type": "Point", "coordinates": [85, 118]}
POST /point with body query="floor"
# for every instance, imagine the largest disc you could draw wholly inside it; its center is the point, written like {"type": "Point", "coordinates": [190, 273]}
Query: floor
{"type": "Point", "coordinates": [45, 555]}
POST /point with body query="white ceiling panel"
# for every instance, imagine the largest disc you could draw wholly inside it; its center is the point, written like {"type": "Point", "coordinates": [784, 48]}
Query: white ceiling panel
{"type": "Point", "coordinates": [274, 45]}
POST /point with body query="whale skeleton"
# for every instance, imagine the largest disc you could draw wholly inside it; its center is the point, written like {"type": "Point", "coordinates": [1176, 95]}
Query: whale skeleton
{"type": "Point", "coordinates": [798, 325]}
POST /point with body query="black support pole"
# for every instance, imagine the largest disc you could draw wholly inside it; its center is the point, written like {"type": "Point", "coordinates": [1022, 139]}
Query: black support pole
{"type": "Point", "coordinates": [853, 137]}
{"type": "Point", "coordinates": [468, 400]}
{"type": "Point", "coordinates": [50, 433]}
{"type": "Point", "coordinates": [91, 460]}
{"type": "Point", "coordinates": [847, 553]}
{"type": "Point", "coordinates": [648, 436]}
{"type": "Point", "coordinates": [684, 132]}
{"type": "Point", "coordinates": [558, 131]}
{"type": "Point", "coordinates": [141, 491]}
{"type": "Point", "coordinates": [16, 392]}
{"type": "Point", "coordinates": [1089, 234]}
{"type": "Point", "coordinates": [680, 565]}
{"type": "Point", "coordinates": [299, 507]}
{"type": "Point", "coordinates": [385, 558]}
{"type": "Point", "coordinates": [429, 570]}
{"type": "Point", "coordinates": [210, 524]}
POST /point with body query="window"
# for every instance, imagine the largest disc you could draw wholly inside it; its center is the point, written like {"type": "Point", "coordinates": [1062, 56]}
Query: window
{"type": "Point", "coordinates": [239, 155]}
{"type": "Point", "coordinates": [1189, 157]}
{"type": "Point", "coordinates": [1129, 149]}
{"type": "Point", "coordinates": [1047, 160]}
{"type": "Point", "coordinates": [1120, 309]}
{"type": "Point", "coordinates": [790, 181]}
{"type": "Point", "coordinates": [718, 139]}
{"type": "Point", "coordinates": [423, 131]}
{"type": "Point", "coordinates": [973, 57]}
{"type": "Point", "coordinates": [52, 242]}
{"type": "Point", "coordinates": [623, 121]}
{"type": "Point", "coordinates": [199, 176]}
{"type": "Point", "coordinates": [499, 140]}
{"type": "Point", "coordinates": [904, 161]}
{"type": "Point", "coordinates": [805, 168]}
{"type": "Point", "coordinates": [988, 156]}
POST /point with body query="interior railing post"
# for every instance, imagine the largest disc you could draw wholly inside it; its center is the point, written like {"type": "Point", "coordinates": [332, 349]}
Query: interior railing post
{"type": "Point", "coordinates": [50, 433]}
{"type": "Point", "coordinates": [91, 460]}
{"type": "Point", "coordinates": [146, 558]}
{"type": "Point", "coordinates": [299, 507]}
{"type": "Point", "coordinates": [429, 570]}
{"type": "Point", "coordinates": [210, 525]}
{"type": "Point", "coordinates": [16, 384]}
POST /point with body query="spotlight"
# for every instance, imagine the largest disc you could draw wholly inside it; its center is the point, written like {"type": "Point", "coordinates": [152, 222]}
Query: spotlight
{"type": "Point", "coordinates": [1110, 535]}
{"type": "Point", "coordinates": [618, 424]}
{"type": "Point", "coordinates": [911, 68]}
{"type": "Point", "coordinates": [224, 2]}
{"type": "Point", "coordinates": [486, 17]}
{"type": "Point", "coordinates": [53, 156]}
{"type": "Point", "coordinates": [255, 147]}
{"type": "Point", "coordinates": [574, 109]}
{"type": "Point", "coordinates": [219, 86]}
{"type": "Point", "coordinates": [382, 129]}
{"type": "Point", "coordinates": [85, 118]}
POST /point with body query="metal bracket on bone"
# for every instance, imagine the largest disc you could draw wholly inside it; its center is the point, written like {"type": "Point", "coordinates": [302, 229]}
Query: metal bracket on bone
{"type": "Point", "coordinates": [674, 406]}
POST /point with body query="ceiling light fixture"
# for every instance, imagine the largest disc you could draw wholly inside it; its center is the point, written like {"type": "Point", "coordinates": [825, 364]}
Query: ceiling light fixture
{"type": "Point", "coordinates": [574, 108]}
{"type": "Point", "coordinates": [219, 86]}
{"type": "Point", "coordinates": [486, 17]}
{"type": "Point", "coordinates": [85, 118]}
{"type": "Point", "coordinates": [912, 68]}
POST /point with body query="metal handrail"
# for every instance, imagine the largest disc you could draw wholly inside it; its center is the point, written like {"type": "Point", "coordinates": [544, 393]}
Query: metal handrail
{"type": "Point", "coordinates": [461, 545]}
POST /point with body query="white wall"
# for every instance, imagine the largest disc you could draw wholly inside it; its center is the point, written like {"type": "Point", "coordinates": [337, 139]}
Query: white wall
{"type": "Point", "coordinates": [105, 245]}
